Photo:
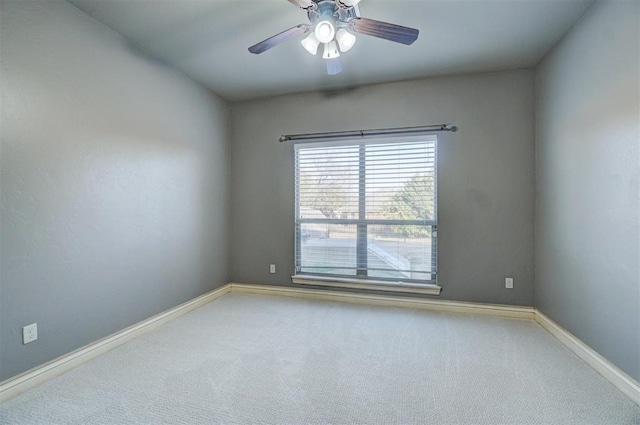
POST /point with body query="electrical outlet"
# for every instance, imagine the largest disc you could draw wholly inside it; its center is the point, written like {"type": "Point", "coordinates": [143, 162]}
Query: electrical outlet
{"type": "Point", "coordinates": [508, 282]}
{"type": "Point", "coordinates": [29, 333]}
{"type": "Point", "coordinates": [272, 268]}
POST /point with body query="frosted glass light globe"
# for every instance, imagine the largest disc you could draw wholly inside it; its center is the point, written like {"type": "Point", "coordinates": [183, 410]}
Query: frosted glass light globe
{"type": "Point", "coordinates": [311, 43]}
{"type": "Point", "coordinates": [325, 31]}
{"type": "Point", "coordinates": [345, 39]}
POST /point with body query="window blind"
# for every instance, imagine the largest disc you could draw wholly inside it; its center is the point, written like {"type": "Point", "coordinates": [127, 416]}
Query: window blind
{"type": "Point", "coordinates": [367, 209]}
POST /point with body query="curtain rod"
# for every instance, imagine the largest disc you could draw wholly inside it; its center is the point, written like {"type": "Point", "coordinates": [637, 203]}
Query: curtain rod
{"type": "Point", "coordinates": [367, 133]}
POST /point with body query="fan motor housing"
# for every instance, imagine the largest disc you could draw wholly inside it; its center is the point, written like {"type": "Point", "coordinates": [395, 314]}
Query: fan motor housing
{"type": "Point", "coordinates": [330, 9]}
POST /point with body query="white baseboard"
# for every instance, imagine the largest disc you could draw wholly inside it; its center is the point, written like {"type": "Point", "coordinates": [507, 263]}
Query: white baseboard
{"type": "Point", "coordinates": [629, 386]}
{"type": "Point", "coordinates": [40, 374]}
{"type": "Point", "coordinates": [34, 377]}
{"type": "Point", "coordinates": [516, 312]}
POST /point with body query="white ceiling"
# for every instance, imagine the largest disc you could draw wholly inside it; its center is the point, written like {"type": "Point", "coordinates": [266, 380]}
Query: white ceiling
{"type": "Point", "coordinates": [208, 40]}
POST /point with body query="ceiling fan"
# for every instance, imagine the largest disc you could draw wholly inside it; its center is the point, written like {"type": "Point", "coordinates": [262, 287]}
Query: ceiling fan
{"type": "Point", "coordinates": [333, 24]}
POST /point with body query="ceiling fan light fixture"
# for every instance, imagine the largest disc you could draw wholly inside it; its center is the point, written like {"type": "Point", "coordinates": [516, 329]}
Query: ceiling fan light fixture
{"type": "Point", "coordinates": [331, 50]}
{"type": "Point", "coordinates": [345, 40]}
{"type": "Point", "coordinates": [325, 31]}
{"type": "Point", "coordinates": [311, 43]}
{"type": "Point", "coordinates": [335, 23]}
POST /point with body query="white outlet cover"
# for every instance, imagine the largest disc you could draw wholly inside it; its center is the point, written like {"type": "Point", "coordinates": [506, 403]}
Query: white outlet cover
{"type": "Point", "coordinates": [272, 268]}
{"type": "Point", "coordinates": [508, 283]}
{"type": "Point", "coordinates": [29, 333]}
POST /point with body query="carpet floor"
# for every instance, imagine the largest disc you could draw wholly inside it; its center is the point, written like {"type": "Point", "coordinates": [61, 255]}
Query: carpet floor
{"type": "Point", "coordinates": [260, 359]}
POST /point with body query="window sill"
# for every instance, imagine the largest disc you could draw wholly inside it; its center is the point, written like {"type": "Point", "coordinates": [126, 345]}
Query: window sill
{"type": "Point", "coordinates": [374, 285]}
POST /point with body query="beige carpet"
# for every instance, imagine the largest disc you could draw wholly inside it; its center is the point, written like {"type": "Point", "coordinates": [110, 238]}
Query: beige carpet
{"type": "Point", "coordinates": [259, 359]}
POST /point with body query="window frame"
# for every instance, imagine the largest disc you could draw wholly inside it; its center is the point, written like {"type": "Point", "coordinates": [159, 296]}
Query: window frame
{"type": "Point", "coordinates": [361, 280]}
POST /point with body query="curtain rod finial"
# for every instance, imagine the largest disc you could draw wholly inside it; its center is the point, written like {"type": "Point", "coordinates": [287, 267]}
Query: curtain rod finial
{"type": "Point", "coordinates": [454, 128]}
{"type": "Point", "coordinates": [284, 138]}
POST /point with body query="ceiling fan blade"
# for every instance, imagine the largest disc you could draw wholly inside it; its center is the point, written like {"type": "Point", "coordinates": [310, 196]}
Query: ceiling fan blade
{"type": "Point", "coordinates": [271, 42]}
{"type": "Point", "coordinates": [334, 66]}
{"type": "Point", "coordinates": [302, 3]}
{"type": "Point", "coordinates": [385, 30]}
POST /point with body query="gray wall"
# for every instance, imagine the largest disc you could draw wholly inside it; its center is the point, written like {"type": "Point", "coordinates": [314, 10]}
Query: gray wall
{"type": "Point", "coordinates": [486, 181]}
{"type": "Point", "coordinates": [114, 177]}
{"type": "Point", "coordinates": [588, 165]}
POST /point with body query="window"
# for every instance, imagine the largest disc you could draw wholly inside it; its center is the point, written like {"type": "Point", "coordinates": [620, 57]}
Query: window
{"type": "Point", "coordinates": [366, 212]}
